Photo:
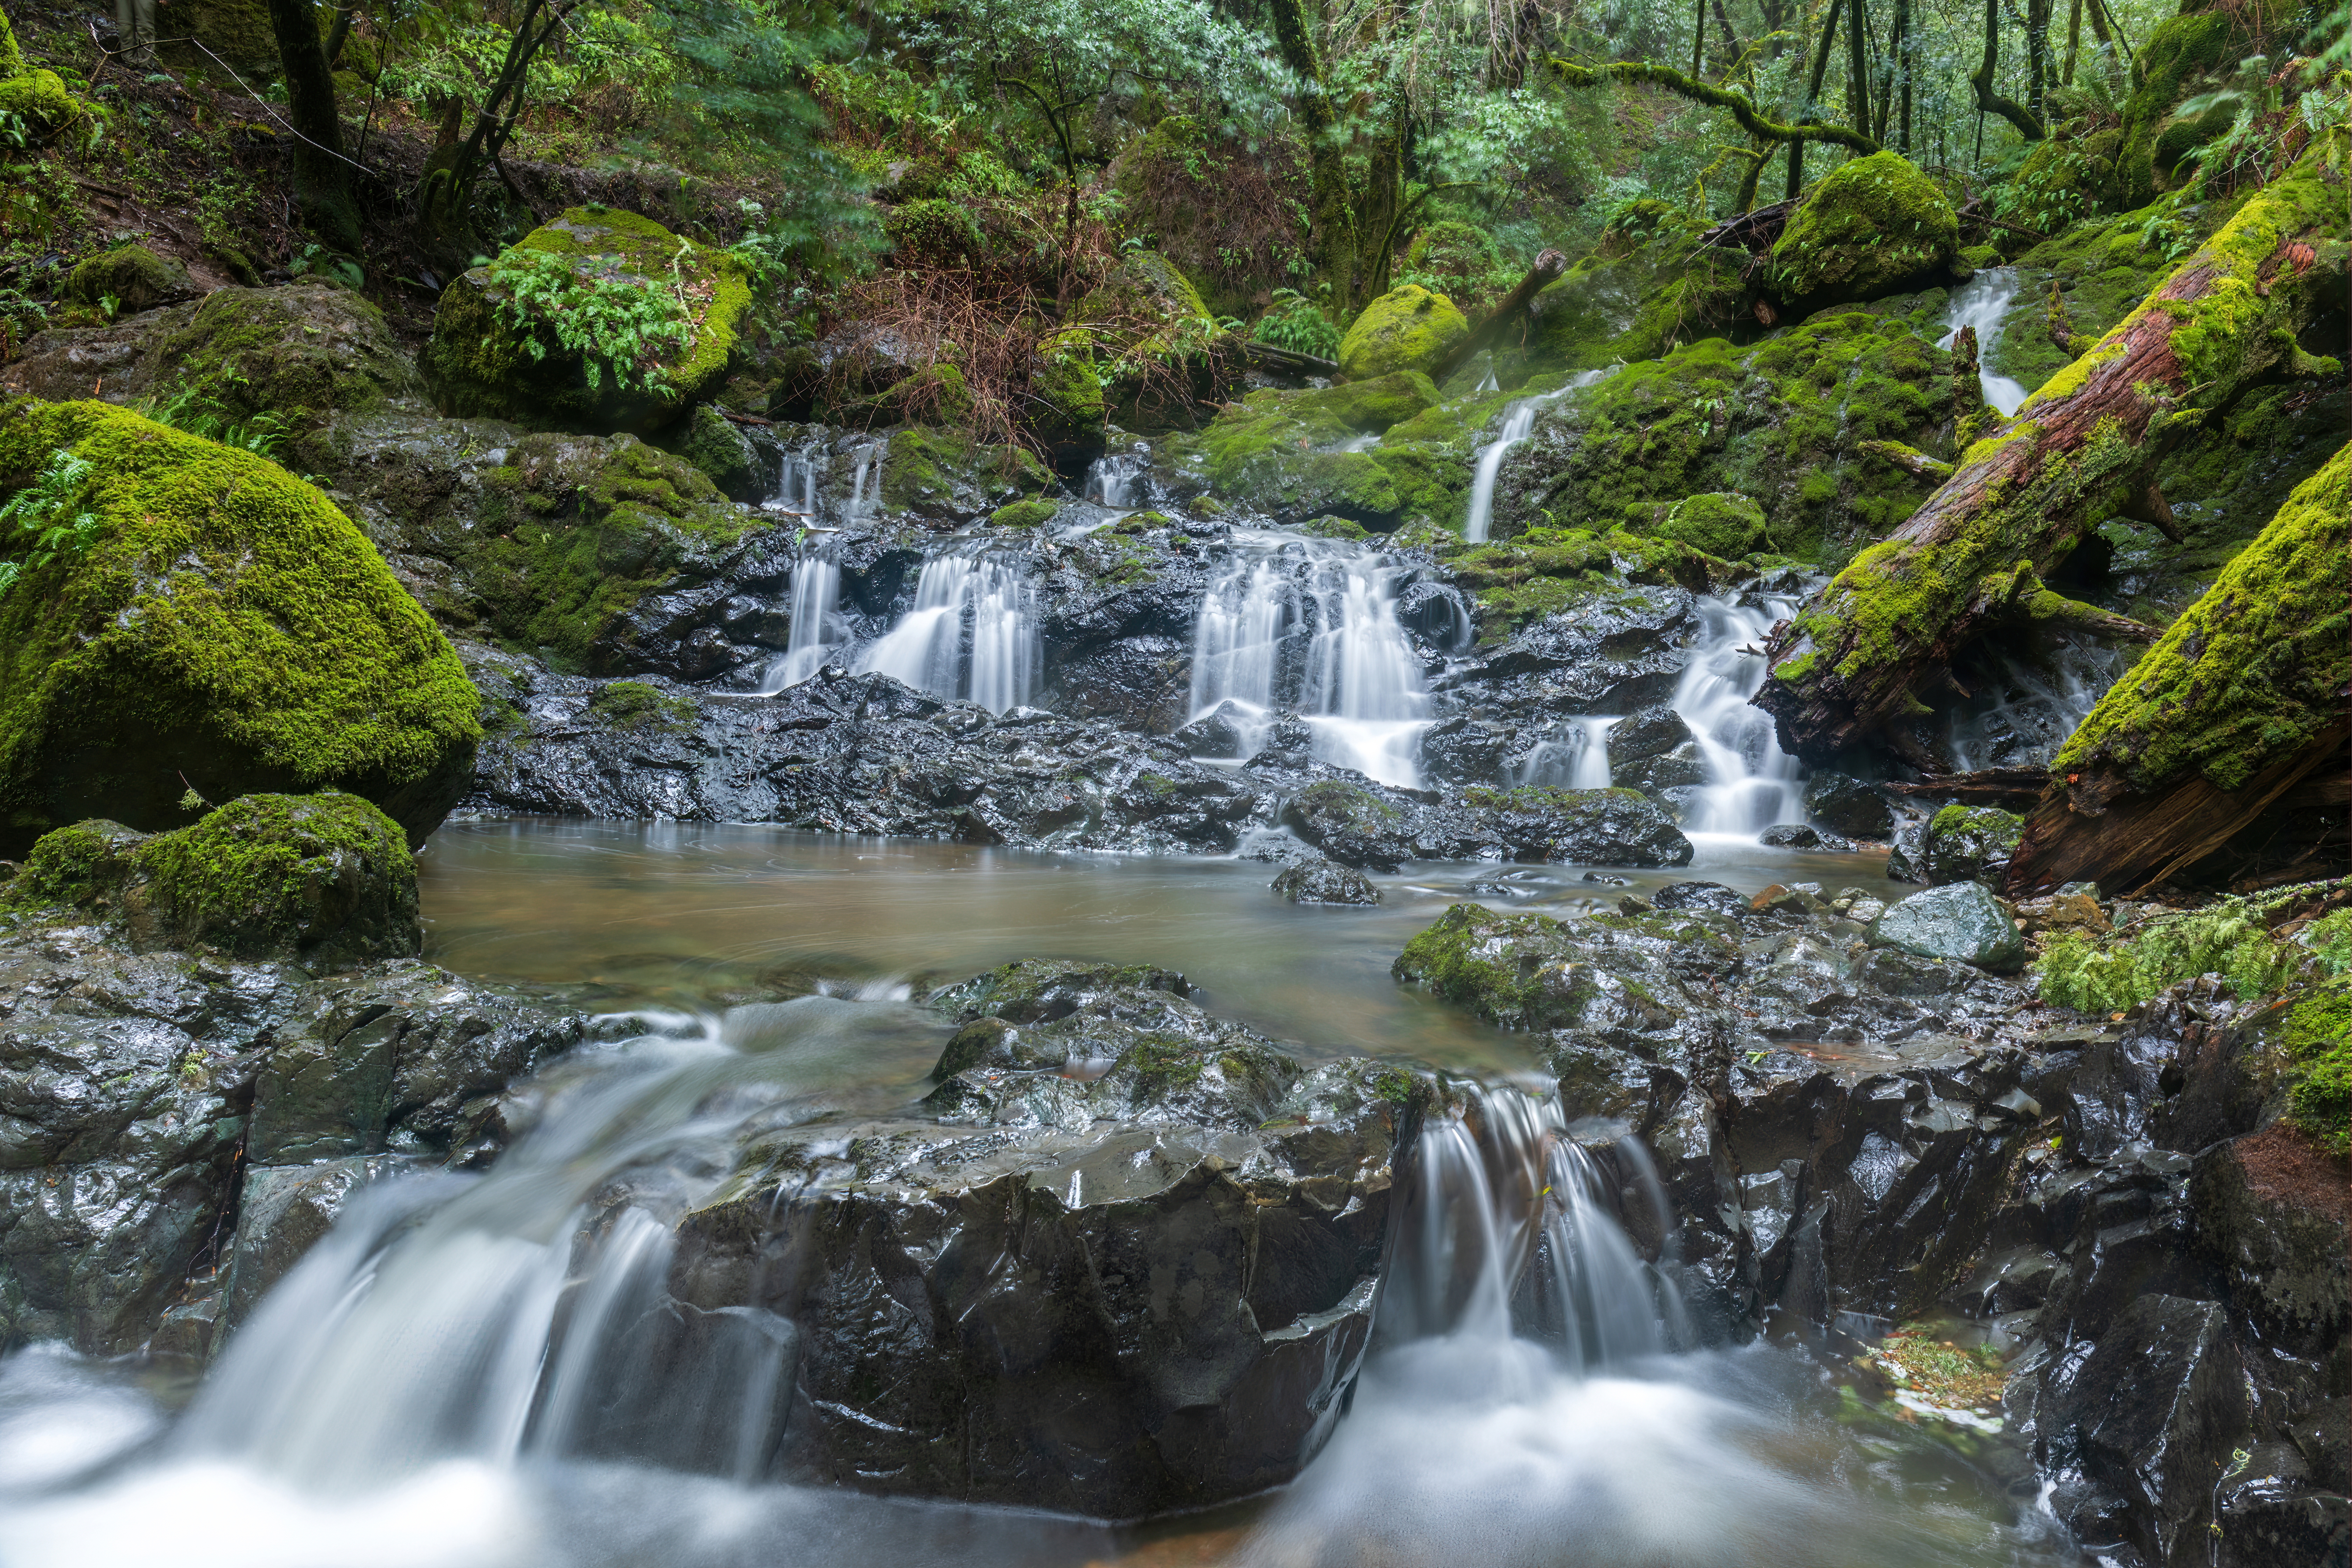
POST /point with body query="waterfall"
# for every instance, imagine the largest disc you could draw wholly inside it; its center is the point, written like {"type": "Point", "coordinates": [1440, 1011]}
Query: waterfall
{"type": "Point", "coordinates": [1110, 478]}
{"type": "Point", "coordinates": [816, 624]}
{"type": "Point", "coordinates": [1578, 760]}
{"type": "Point", "coordinates": [2025, 713]}
{"type": "Point", "coordinates": [796, 481]}
{"type": "Point", "coordinates": [868, 464]}
{"type": "Point", "coordinates": [1518, 423]}
{"type": "Point", "coordinates": [1310, 625]}
{"type": "Point", "coordinates": [972, 634]}
{"type": "Point", "coordinates": [1752, 783]}
{"type": "Point", "coordinates": [1982, 302]}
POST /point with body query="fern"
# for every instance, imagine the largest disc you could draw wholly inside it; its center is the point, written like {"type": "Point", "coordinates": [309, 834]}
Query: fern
{"type": "Point", "coordinates": [619, 325]}
{"type": "Point", "coordinates": [1297, 323]}
{"type": "Point", "coordinates": [195, 410]}
{"type": "Point", "coordinates": [46, 521]}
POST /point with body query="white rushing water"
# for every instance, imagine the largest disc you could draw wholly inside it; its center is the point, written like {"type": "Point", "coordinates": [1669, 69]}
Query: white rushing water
{"type": "Point", "coordinates": [1518, 423]}
{"type": "Point", "coordinates": [1752, 783]}
{"type": "Point", "coordinates": [1982, 302]}
{"type": "Point", "coordinates": [2025, 712]}
{"type": "Point", "coordinates": [818, 630]}
{"type": "Point", "coordinates": [972, 634]}
{"type": "Point", "coordinates": [1111, 478]}
{"type": "Point", "coordinates": [865, 480]}
{"type": "Point", "coordinates": [1578, 759]}
{"type": "Point", "coordinates": [1310, 625]}
{"type": "Point", "coordinates": [796, 484]}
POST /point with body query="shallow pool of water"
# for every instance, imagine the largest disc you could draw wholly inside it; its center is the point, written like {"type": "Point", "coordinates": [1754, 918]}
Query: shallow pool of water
{"type": "Point", "coordinates": [693, 915]}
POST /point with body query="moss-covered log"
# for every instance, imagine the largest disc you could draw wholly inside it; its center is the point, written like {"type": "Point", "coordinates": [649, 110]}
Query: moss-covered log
{"type": "Point", "coordinates": [1850, 666]}
{"type": "Point", "coordinates": [2241, 699]}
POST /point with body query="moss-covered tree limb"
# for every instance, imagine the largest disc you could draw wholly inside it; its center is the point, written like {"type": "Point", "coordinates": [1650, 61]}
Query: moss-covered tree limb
{"type": "Point", "coordinates": [1990, 101]}
{"type": "Point", "coordinates": [2241, 699]}
{"type": "Point", "coordinates": [1846, 668]}
{"type": "Point", "coordinates": [1542, 275]}
{"type": "Point", "coordinates": [1750, 120]}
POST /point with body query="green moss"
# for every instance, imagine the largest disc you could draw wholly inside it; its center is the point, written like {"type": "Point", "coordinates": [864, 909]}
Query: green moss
{"type": "Point", "coordinates": [263, 874]}
{"type": "Point", "coordinates": [933, 232]}
{"type": "Point", "coordinates": [2235, 938]}
{"type": "Point", "coordinates": [2319, 1037]}
{"type": "Point", "coordinates": [84, 865]}
{"type": "Point", "coordinates": [1725, 526]}
{"type": "Point", "coordinates": [1334, 528]}
{"type": "Point", "coordinates": [304, 353]}
{"type": "Point", "coordinates": [946, 473]}
{"type": "Point", "coordinates": [1065, 390]}
{"type": "Point", "coordinates": [2178, 52]}
{"type": "Point", "coordinates": [636, 705]}
{"type": "Point", "coordinates": [134, 277]}
{"type": "Point", "coordinates": [1979, 257]}
{"type": "Point", "coordinates": [1405, 328]}
{"type": "Point", "coordinates": [40, 96]}
{"type": "Point", "coordinates": [230, 625]}
{"type": "Point", "coordinates": [1024, 514]}
{"type": "Point", "coordinates": [1873, 225]}
{"type": "Point", "coordinates": [1544, 572]}
{"type": "Point", "coordinates": [2252, 671]}
{"type": "Point", "coordinates": [935, 395]}
{"type": "Point", "coordinates": [1646, 288]}
{"type": "Point", "coordinates": [479, 366]}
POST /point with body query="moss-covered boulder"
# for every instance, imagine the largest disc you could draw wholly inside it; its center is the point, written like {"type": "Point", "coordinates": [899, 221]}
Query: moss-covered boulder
{"type": "Point", "coordinates": [2182, 54]}
{"type": "Point", "coordinates": [1969, 844]}
{"type": "Point", "coordinates": [133, 277]}
{"type": "Point", "coordinates": [229, 631]}
{"type": "Point", "coordinates": [1293, 456]}
{"type": "Point", "coordinates": [485, 362]}
{"type": "Point", "coordinates": [326, 880]}
{"type": "Point", "coordinates": [1405, 328]}
{"type": "Point", "coordinates": [1722, 525]}
{"type": "Point", "coordinates": [724, 455]}
{"type": "Point", "coordinates": [1646, 287]}
{"type": "Point", "coordinates": [1066, 408]}
{"type": "Point", "coordinates": [1023, 514]}
{"type": "Point", "coordinates": [945, 476]}
{"type": "Point", "coordinates": [39, 96]}
{"type": "Point", "coordinates": [1156, 350]}
{"type": "Point", "coordinates": [1876, 226]}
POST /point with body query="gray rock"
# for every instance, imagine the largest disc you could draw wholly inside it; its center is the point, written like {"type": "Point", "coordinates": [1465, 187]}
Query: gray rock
{"type": "Point", "coordinates": [1325, 881]}
{"type": "Point", "coordinates": [1961, 921]}
{"type": "Point", "coordinates": [1801, 836]}
{"type": "Point", "coordinates": [1964, 844]}
{"type": "Point", "coordinates": [1847, 806]}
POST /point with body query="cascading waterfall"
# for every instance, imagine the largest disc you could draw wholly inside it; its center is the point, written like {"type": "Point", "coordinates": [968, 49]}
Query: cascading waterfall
{"type": "Point", "coordinates": [1518, 423]}
{"type": "Point", "coordinates": [1578, 759]}
{"type": "Point", "coordinates": [972, 634]}
{"type": "Point", "coordinates": [2025, 714]}
{"type": "Point", "coordinates": [1752, 783]}
{"type": "Point", "coordinates": [1982, 302]}
{"type": "Point", "coordinates": [817, 632]}
{"type": "Point", "coordinates": [797, 482]}
{"type": "Point", "coordinates": [1111, 478]}
{"type": "Point", "coordinates": [1310, 625]}
{"type": "Point", "coordinates": [865, 480]}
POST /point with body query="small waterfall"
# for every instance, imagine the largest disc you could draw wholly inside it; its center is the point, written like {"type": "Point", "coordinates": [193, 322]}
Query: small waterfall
{"type": "Point", "coordinates": [1111, 478]}
{"type": "Point", "coordinates": [796, 483]}
{"type": "Point", "coordinates": [2026, 711]}
{"type": "Point", "coordinates": [1311, 626]}
{"type": "Point", "coordinates": [1578, 759]}
{"type": "Point", "coordinates": [868, 468]}
{"type": "Point", "coordinates": [1518, 423]}
{"type": "Point", "coordinates": [972, 634]}
{"type": "Point", "coordinates": [1752, 783]}
{"type": "Point", "coordinates": [1982, 302]}
{"type": "Point", "coordinates": [816, 623]}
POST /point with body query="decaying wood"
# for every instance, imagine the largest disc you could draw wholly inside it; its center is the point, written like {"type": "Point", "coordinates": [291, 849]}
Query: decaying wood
{"type": "Point", "coordinates": [1910, 459]}
{"type": "Point", "coordinates": [1849, 668]}
{"type": "Point", "coordinates": [1265, 356]}
{"type": "Point", "coordinates": [2013, 789]}
{"type": "Point", "coordinates": [1542, 275]}
{"type": "Point", "coordinates": [2146, 504]}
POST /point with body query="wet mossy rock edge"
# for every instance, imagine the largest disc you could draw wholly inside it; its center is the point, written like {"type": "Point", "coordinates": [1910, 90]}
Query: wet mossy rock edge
{"type": "Point", "coordinates": [478, 365]}
{"type": "Point", "coordinates": [1875, 226]}
{"type": "Point", "coordinates": [230, 631]}
{"type": "Point", "coordinates": [325, 879]}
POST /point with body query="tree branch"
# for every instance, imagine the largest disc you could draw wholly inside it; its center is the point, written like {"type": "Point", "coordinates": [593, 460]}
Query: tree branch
{"type": "Point", "coordinates": [1675, 82]}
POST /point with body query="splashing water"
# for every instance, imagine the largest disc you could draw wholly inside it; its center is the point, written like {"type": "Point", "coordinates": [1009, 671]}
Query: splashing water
{"type": "Point", "coordinates": [865, 474]}
{"type": "Point", "coordinates": [1518, 423]}
{"type": "Point", "coordinates": [1752, 783]}
{"type": "Point", "coordinates": [1111, 478]}
{"type": "Point", "coordinates": [1983, 301]}
{"type": "Point", "coordinates": [797, 482]}
{"type": "Point", "coordinates": [817, 631]}
{"type": "Point", "coordinates": [1578, 759]}
{"type": "Point", "coordinates": [2023, 715]}
{"type": "Point", "coordinates": [1311, 626]}
{"type": "Point", "coordinates": [972, 634]}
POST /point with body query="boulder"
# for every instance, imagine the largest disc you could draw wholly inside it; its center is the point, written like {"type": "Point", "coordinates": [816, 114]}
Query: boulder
{"type": "Point", "coordinates": [1648, 285]}
{"type": "Point", "coordinates": [133, 277]}
{"type": "Point", "coordinates": [717, 446]}
{"type": "Point", "coordinates": [1848, 806]}
{"type": "Point", "coordinates": [1961, 921]}
{"type": "Point", "coordinates": [323, 880]}
{"type": "Point", "coordinates": [1725, 526]}
{"type": "Point", "coordinates": [1968, 844]}
{"type": "Point", "coordinates": [493, 356]}
{"type": "Point", "coordinates": [1296, 456]}
{"type": "Point", "coordinates": [1873, 227]}
{"type": "Point", "coordinates": [1407, 328]}
{"type": "Point", "coordinates": [1323, 880]}
{"type": "Point", "coordinates": [229, 631]}
{"type": "Point", "coordinates": [1156, 350]}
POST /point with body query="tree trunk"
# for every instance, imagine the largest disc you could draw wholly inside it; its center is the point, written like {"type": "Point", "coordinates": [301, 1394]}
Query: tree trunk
{"type": "Point", "coordinates": [2073, 42]}
{"type": "Point", "coordinates": [1812, 95]}
{"type": "Point", "coordinates": [323, 178]}
{"type": "Point", "coordinates": [1903, 74]}
{"type": "Point", "coordinates": [1990, 101]}
{"type": "Point", "coordinates": [1542, 275]}
{"type": "Point", "coordinates": [2241, 699]}
{"type": "Point", "coordinates": [1847, 668]}
{"type": "Point", "coordinates": [1331, 221]}
{"type": "Point", "coordinates": [1376, 213]}
{"type": "Point", "coordinates": [2037, 55]}
{"type": "Point", "coordinates": [1857, 65]}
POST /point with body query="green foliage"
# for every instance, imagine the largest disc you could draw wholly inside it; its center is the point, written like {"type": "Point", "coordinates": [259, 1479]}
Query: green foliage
{"type": "Point", "coordinates": [2227, 938]}
{"type": "Point", "coordinates": [2318, 1036]}
{"type": "Point", "coordinates": [48, 520]}
{"type": "Point", "coordinates": [200, 412]}
{"type": "Point", "coordinates": [933, 232]}
{"type": "Point", "coordinates": [620, 323]}
{"type": "Point", "coordinates": [1298, 323]}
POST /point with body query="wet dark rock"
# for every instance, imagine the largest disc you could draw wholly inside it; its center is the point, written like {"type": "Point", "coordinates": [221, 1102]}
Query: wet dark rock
{"type": "Point", "coordinates": [1464, 751]}
{"type": "Point", "coordinates": [1848, 806]}
{"type": "Point", "coordinates": [283, 1212]}
{"type": "Point", "coordinates": [1325, 881]}
{"type": "Point", "coordinates": [2269, 1209]}
{"type": "Point", "coordinates": [1961, 921]}
{"type": "Point", "coordinates": [1801, 836]}
{"type": "Point", "coordinates": [1709, 896]}
{"type": "Point", "coordinates": [1373, 827]}
{"type": "Point", "coordinates": [1654, 732]}
{"type": "Point", "coordinates": [1612, 654]}
{"type": "Point", "coordinates": [1964, 844]}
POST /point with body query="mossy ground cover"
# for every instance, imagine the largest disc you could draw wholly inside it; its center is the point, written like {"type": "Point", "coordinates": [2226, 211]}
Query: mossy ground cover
{"type": "Point", "coordinates": [1644, 288]}
{"type": "Point", "coordinates": [1545, 571]}
{"type": "Point", "coordinates": [230, 623]}
{"type": "Point", "coordinates": [1873, 225]}
{"type": "Point", "coordinates": [1284, 453]}
{"type": "Point", "coordinates": [1781, 422]}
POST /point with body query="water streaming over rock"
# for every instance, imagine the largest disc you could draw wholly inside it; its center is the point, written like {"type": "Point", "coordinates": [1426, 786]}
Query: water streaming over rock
{"type": "Point", "coordinates": [1982, 302]}
{"type": "Point", "coordinates": [2025, 712]}
{"type": "Point", "coordinates": [1111, 478]}
{"type": "Point", "coordinates": [1578, 759]}
{"type": "Point", "coordinates": [973, 633]}
{"type": "Point", "coordinates": [796, 484]}
{"type": "Point", "coordinates": [1752, 783]}
{"type": "Point", "coordinates": [1518, 423]}
{"type": "Point", "coordinates": [1310, 625]}
{"type": "Point", "coordinates": [865, 481]}
{"type": "Point", "coordinates": [817, 631]}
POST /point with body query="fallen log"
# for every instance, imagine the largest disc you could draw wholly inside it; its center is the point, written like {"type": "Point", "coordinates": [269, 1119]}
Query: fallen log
{"type": "Point", "coordinates": [1850, 666]}
{"type": "Point", "coordinates": [2241, 699]}
{"type": "Point", "coordinates": [2013, 789]}
{"type": "Point", "coordinates": [1265, 356]}
{"type": "Point", "coordinates": [1542, 275]}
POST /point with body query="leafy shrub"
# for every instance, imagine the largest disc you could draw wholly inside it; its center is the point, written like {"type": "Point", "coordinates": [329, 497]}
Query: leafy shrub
{"type": "Point", "coordinates": [195, 410]}
{"type": "Point", "coordinates": [44, 520]}
{"type": "Point", "coordinates": [2227, 939]}
{"type": "Point", "coordinates": [619, 324]}
{"type": "Point", "coordinates": [1297, 323]}
{"type": "Point", "coordinates": [933, 232]}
